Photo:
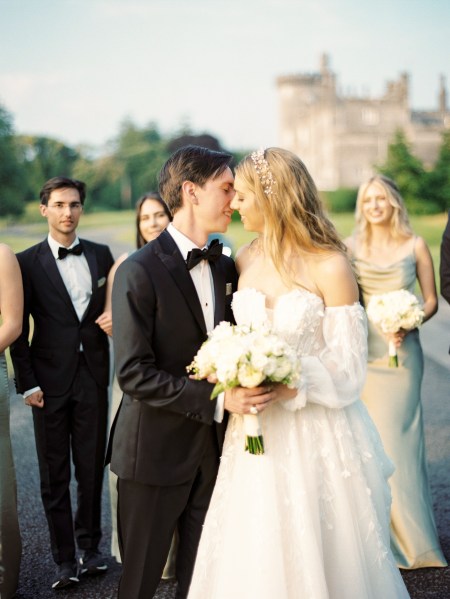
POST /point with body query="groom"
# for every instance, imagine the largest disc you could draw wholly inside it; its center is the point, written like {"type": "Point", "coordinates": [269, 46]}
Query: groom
{"type": "Point", "coordinates": [167, 437]}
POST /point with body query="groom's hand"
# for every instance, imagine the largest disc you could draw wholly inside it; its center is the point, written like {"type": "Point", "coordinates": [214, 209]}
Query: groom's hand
{"type": "Point", "coordinates": [240, 400]}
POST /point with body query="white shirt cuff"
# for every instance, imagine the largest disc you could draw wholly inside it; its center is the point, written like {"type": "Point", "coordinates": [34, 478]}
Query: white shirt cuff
{"type": "Point", "coordinates": [30, 392]}
{"type": "Point", "coordinates": [218, 414]}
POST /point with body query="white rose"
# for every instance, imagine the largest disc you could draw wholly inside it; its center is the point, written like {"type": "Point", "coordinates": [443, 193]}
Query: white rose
{"type": "Point", "coordinates": [249, 377]}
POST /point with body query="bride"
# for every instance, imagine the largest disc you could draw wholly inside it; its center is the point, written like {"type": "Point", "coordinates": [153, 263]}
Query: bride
{"type": "Point", "coordinates": [310, 517]}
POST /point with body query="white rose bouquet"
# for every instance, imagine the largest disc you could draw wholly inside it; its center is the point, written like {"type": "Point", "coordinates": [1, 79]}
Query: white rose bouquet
{"type": "Point", "coordinates": [393, 311]}
{"type": "Point", "coordinates": [241, 356]}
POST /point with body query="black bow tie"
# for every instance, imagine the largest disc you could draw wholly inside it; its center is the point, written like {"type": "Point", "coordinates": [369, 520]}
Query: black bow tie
{"type": "Point", "coordinates": [211, 253]}
{"type": "Point", "coordinates": [77, 250]}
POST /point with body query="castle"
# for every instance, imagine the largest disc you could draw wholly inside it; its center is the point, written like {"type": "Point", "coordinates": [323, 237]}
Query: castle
{"type": "Point", "coordinates": [340, 138]}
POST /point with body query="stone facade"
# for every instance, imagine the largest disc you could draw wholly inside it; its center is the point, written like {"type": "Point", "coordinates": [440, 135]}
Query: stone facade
{"type": "Point", "coordinates": [340, 138]}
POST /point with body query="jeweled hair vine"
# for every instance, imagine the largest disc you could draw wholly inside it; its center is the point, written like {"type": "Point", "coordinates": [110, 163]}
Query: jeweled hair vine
{"type": "Point", "coordinates": [263, 171]}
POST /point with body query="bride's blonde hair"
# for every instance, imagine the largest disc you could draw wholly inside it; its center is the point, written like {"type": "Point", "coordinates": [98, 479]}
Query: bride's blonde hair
{"type": "Point", "coordinates": [399, 223]}
{"type": "Point", "coordinates": [294, 216]}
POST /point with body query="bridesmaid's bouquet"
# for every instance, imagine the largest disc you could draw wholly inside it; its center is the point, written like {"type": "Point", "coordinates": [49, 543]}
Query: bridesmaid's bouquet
{"type": "Point", "coordinates": [238, 355]}
{"type": "Point", "coordinates": [393, 311]}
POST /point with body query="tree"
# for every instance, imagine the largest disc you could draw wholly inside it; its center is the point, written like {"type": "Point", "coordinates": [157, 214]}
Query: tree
{"type": "Point", "coordinates": [409, 174]}
{"type": "Point", "coordinates": [129, 168]}
{"type": "Point", "coordinates": [439, 178]}
{"type": "Point", "coordinates": [204, 139]}
{"type": "Point", "coordinates": [103, 181]}
{"type": "Point", "coordinates": [207, 141]}
{"type": "Point", "coordinates": [43, 158]}
{"type": "Point", "coordinates": [140, 154]}
{"type": "Point", "coordinates": [11, 174]}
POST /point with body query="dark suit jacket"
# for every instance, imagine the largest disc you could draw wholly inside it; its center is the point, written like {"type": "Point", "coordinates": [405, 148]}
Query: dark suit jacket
{"type": "Point", "coordinates": [444, 269]}
{"type": "Point", "coordinates": [51, 360]}
{"type": "Point", "coordinates": [159, 434]}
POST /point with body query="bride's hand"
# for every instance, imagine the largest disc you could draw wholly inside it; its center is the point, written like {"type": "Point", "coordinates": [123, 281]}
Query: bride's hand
{"type": "Point", "coordinates": [241, 400]}
{"type": "Point", "coordinates": [283, 392]}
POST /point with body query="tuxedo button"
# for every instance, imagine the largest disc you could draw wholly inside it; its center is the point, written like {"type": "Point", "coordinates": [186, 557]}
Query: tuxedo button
{"type": "Point", "coordinates": [189, 414]}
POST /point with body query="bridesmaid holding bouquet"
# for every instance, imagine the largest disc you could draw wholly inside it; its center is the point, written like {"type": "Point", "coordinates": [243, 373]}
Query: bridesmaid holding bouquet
{"type": "Point", "coordinates": [388, 257]}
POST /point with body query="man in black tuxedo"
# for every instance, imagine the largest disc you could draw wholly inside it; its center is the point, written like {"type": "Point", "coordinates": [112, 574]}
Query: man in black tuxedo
{"type": "Point", "coordinates": [168, 433]}
{"type": "Point", "coordinates": [63, 374]}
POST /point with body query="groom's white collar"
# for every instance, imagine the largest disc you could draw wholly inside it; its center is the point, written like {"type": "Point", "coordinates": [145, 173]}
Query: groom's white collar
{"type": "Point", "coordinates": [185, 245]}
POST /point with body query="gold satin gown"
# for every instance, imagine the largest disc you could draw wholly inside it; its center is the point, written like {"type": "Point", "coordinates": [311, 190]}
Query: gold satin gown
{"type": "Point", "coordinates": [10, 543]}
{"type": "Point", "coordinates": [392, 396]}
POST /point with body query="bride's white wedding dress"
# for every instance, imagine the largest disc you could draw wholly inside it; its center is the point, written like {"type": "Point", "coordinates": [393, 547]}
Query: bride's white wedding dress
{"type": "Point", "coordinates": [309, 519]}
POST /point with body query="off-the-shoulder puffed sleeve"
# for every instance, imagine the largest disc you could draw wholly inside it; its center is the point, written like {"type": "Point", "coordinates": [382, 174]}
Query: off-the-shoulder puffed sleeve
{"type": "Point", "coordinates": [335, 377]}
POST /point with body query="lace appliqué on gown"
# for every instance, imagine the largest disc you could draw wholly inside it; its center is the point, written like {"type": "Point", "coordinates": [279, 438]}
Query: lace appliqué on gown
{"type": "Point", "coordinates": [309, 518]}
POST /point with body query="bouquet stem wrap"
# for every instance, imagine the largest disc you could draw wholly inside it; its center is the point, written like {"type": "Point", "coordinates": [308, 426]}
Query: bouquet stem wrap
{"type": "Point", "coordinates": [393, 359]}
{"type": "Point", "coordinates": [254, 442]}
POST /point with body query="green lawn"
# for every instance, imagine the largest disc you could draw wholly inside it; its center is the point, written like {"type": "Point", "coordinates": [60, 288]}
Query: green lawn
{"type": "Point", "coordinates": [24, 234]}
{"type": "Point", "coordinates": [34, 228]}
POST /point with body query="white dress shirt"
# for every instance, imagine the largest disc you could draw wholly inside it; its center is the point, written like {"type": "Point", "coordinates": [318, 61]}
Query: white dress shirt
{"type": "Point", "coordinates": [201, 276]}
{"type": "Point", "coordinates": [75, 273]}
{"type": "Point", "coordinates": [204, 285]}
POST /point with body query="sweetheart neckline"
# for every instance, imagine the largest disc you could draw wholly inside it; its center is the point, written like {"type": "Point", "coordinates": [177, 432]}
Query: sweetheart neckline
{"type": "Point", "coordinates": [283, 295]}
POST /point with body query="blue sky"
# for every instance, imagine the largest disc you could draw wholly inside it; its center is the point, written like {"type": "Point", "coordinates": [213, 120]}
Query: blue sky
{"type": "Point", "coordinates": [74, 69]}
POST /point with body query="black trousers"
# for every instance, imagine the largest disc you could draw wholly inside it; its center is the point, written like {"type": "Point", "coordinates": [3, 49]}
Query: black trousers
{"type": "Point", "coordinates": [147, 517]}
{"type": "Point", "coordinates": [74, 425]}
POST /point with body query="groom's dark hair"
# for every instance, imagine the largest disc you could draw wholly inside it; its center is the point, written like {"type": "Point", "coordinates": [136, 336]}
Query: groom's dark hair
{"type": "Point", "coordinates": [189, 163]}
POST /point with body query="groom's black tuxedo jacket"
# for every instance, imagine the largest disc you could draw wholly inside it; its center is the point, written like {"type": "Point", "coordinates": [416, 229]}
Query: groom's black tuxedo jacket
{"type": "Point", "coordinates": [159, 434]}
{"type": "Point", "coordinates": [51, 361]}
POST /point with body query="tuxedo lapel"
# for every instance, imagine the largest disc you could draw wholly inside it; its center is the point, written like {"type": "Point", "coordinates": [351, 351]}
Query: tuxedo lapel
{"type": "Point", "coordinates": [48, 264]}
{"type": "Point", "coordinates": [91, 259]}
{"type": "Point", "coordinates": [219, 292]}
{"type": "Point", "coordinates": [169, 254]}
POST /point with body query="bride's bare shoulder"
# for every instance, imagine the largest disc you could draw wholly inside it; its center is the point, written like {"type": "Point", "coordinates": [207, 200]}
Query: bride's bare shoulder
{"type": "Point", "coordinates": [328, 262]}
{"type": "Point", "coordinates": [335, 279]}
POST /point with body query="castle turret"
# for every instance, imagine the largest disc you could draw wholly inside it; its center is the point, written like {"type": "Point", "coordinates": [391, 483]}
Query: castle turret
{"type": "Point", "coordinates": [324, 64]}
{"type": "Point", "coordinates": [442, 96]}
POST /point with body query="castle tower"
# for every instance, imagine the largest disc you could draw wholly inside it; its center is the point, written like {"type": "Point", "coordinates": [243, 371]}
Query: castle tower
{"type": "Point", "coordinates": [307, 106]}
{"type": "Point", "coordinates": [442, 96]}
{"type": "Point", "coordinates": [341, 138]}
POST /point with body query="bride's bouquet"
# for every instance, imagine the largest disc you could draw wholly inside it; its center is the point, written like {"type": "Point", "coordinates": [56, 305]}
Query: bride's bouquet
{"type": "Point", "coordinates": [393, 311]}
{"type": "Point", "coordinates": [238, 355]}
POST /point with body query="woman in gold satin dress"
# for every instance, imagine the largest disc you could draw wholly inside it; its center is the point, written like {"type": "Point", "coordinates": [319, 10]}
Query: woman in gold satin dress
{"type": "Point", "coordinates": [388, 256]}
{"type": "Point", "coordinates": [11, 311]}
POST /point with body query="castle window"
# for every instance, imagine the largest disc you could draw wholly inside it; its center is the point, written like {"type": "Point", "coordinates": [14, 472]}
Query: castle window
{"type": "Point", "coordinates": [370, 116]}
